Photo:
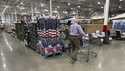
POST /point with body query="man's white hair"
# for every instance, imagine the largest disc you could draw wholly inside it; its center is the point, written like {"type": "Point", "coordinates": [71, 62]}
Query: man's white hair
{"type": "Point", "coordinates": [73, 20]}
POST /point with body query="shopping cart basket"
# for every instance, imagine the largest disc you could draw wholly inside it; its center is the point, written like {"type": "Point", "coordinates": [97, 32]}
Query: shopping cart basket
{"type": "Point", "coordinates": [88, 51]}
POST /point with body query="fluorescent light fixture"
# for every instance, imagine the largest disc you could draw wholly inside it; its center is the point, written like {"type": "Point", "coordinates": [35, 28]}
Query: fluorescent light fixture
{"type": "Point", "coordinates": [42, 5]}
{"type": "Point", "coordinates": [71, 8]}
{"type": "Point", "coordinates": [99, 3]}
{"type": "Point", "coordinates": [65, 12]}
{"type": "Point", "coordinates": [69, 4]}
{"type": "Point", "coordinates": [55, 11]}
{"type": "Point", "coordinates": [58, 6]}
{"type": "Point", "coordinates": [78, 6]}
{"type": "Point", "coordinates": [17, 6]}
{"type": "Point", "coordinates": [46, 10]}
{"type": "Point", "coordinates": [121, 0]}
{"type": "Point", "coordinates": [102, 7]}
{"type": "Point", "coordinates": [119, 7]}
{"type": "Point", "coordinates": [22, 3]}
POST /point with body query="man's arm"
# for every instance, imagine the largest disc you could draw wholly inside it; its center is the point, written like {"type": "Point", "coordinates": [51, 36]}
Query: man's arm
{"type": "Point", "coordinates": [81, 31]}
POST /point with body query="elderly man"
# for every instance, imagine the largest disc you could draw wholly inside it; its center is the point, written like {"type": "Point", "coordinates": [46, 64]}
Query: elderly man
{"type": "Point", "coordinates": [76, 32]}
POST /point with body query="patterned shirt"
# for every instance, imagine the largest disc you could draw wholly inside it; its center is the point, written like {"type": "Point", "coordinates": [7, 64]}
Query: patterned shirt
{"type": "Point", "coordinates": [76, 30]}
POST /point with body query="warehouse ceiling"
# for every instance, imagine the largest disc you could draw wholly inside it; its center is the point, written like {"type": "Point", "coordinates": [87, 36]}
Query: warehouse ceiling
{"type": "Point", "coordinates": [85, 8]}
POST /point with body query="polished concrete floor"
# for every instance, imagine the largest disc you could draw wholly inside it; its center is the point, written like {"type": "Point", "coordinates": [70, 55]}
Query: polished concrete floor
{"type": "Point", "coordinates": [15, 57]}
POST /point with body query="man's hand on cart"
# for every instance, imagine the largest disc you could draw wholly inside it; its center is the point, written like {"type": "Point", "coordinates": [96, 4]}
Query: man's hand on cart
{"type": "Point", "coordinates": [85, 37]}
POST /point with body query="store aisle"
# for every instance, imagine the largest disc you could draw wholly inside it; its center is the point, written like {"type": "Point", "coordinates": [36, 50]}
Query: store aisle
{"type": "Point", "coordinates": [15, 57]}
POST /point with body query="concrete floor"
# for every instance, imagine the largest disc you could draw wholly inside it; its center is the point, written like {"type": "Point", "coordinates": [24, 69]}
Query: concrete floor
{"type": "Point", "coordinates": [15, 57]}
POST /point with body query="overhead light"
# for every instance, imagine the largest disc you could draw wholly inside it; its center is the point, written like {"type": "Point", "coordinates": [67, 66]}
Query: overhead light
{"type": "Point", "coordinates": [55, 11]}
{"type": "Point", "coordinates": [78, 6]}
{"type": "Point", "coordinates": [46, 10]}
{"type": "Point", "coordinates": [69, 4]}
{"type": "Point", "coordinates": [99, 3]}
{"type": "Point", "coordinates": [58, 6]}
{"type": "Point", "coordinates": [42, 5]}
{"type": "Point", "coordinates": [65, 12]}
{"type": "Point", "coordinates": [22, 3]}
{"type": "Point", "coordinates": [121, 0]}
{"type": "Point", "coordinates": [102, 7]}
{"type": "Point", "coordinates": [17, 6]}
{"type": "Point", "coordinates": [43, 15]}
{"type": "Point", "coordinates": [119, 7]}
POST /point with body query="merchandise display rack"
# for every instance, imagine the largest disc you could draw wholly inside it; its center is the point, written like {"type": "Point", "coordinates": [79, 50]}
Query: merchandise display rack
{"type": "Point", "coordinates": [44, 36]}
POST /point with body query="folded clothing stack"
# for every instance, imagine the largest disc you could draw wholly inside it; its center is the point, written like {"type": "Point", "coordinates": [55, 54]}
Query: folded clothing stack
{"type": "Point", "coordinates": [49, 33]}
{"type": "Point", "coordinates": [49, 47]}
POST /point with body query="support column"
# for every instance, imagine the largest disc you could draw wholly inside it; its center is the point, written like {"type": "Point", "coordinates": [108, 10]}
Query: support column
{"type": "Point", "coordinates": [106, 20]}
{"type": "Point", "coordinates": [50, 7]}
{"type": "Point", "coordinates": [15, 14]}
{"type": "Point", "coordinates": [106, 15]}
{"type": "Point", "coordinates": [32, 12]}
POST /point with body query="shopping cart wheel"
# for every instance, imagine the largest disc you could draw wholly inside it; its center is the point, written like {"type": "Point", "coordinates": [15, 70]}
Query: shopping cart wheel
{"type": "Point", "coordinates": [87, 60]}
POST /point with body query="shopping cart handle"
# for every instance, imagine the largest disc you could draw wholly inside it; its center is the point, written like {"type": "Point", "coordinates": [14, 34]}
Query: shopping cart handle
{"type": "Point", "coordinates": [85, 38]}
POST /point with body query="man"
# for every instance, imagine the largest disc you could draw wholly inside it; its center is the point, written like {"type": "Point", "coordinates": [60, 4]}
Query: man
{"type": "Point", "coordinates": [76, 32]}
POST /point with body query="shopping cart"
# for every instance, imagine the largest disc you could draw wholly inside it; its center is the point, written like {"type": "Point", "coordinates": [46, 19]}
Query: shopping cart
{"type": "Point", "coordinates": [88, 51]}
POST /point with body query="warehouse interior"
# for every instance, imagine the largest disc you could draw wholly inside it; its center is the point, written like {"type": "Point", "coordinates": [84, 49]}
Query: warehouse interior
{"type": "Point", "coordinates": [35, 35]}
